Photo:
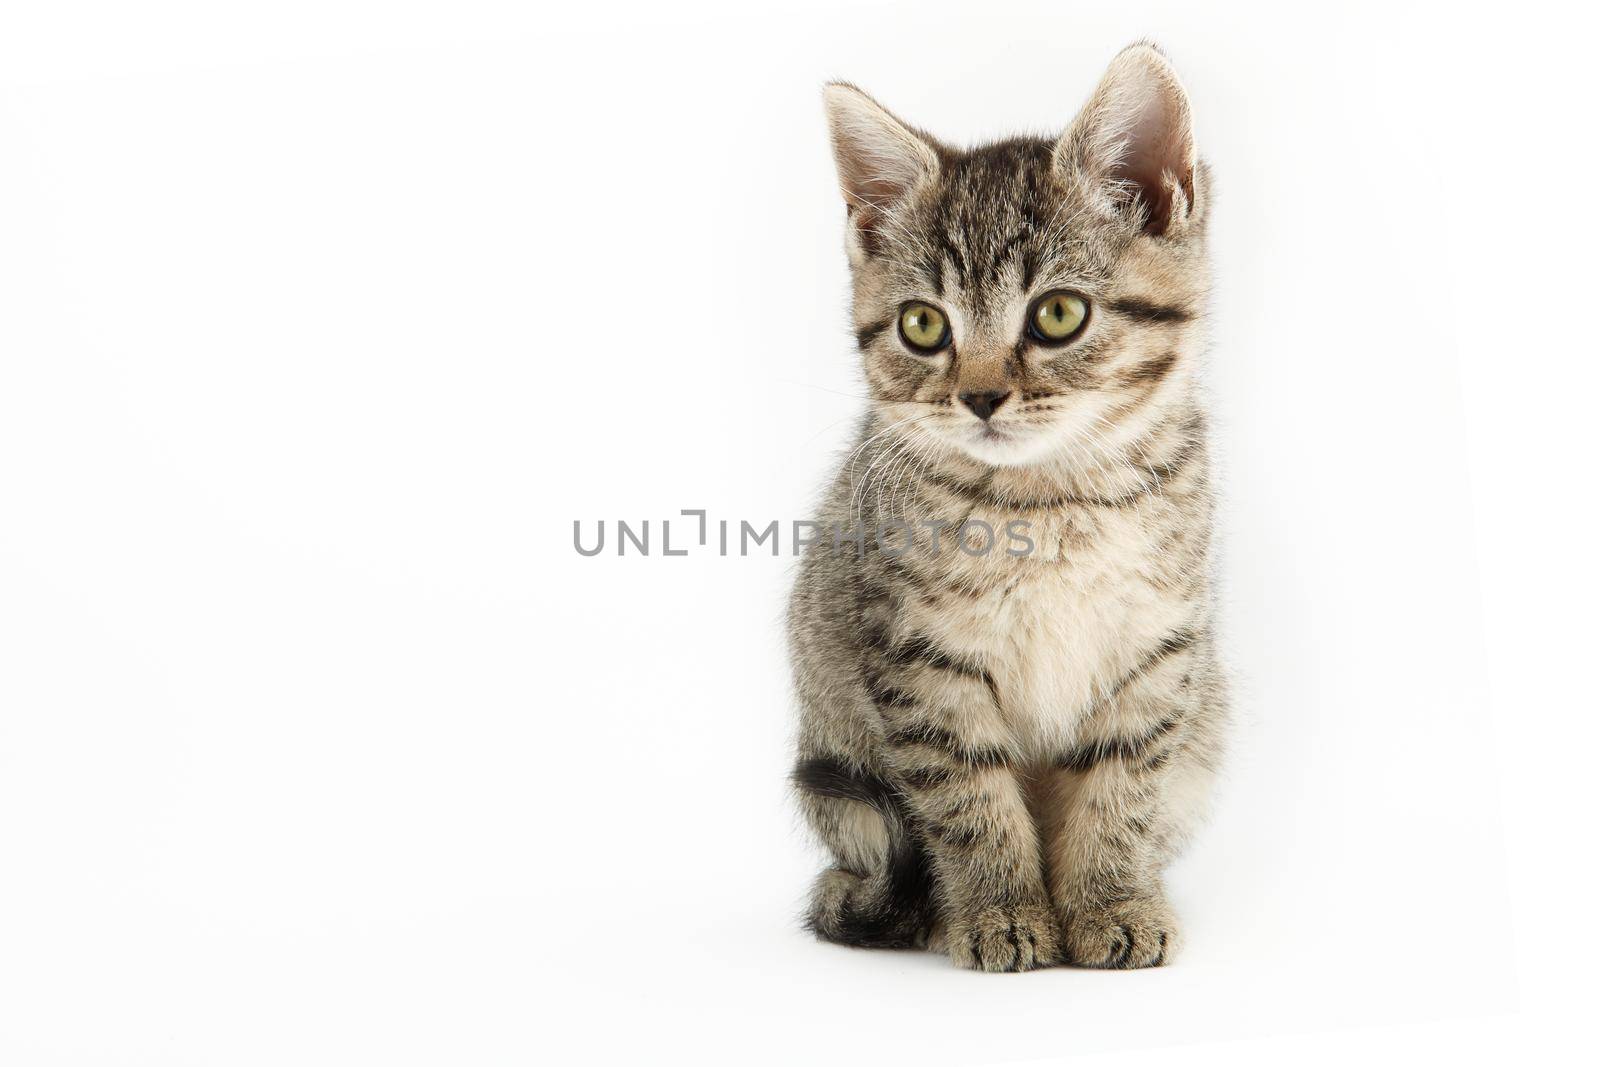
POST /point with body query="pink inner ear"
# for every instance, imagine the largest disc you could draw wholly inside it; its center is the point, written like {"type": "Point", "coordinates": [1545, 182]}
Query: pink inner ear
{"type": "Point", "coordinates": [873, 184]}
{"type": "Point", "coordinates": [1158, 152]}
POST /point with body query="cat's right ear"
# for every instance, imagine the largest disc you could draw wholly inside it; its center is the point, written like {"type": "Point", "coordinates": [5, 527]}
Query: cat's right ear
{"type": "Point", "coordinates": [1134, 142]}
{"type": "Point", "coordinates": [880, 159]}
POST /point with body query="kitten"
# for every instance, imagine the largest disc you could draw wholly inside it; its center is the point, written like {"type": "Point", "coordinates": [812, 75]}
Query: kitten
{"type": "Point", "coordinates": [1002, 749]}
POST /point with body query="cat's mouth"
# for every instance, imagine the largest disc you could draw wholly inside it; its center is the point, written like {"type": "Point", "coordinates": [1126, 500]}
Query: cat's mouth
{"type": "Point", "coordinates": [987, 433]}
{"type": "Point", "coordinates": [1003, 445]}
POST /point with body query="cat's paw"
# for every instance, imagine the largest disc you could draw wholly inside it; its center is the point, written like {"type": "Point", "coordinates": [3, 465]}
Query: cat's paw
{"type": "Point", "coordinates": [1016, 938]}
{"type": "Point", "coordinates": [1138, 932]}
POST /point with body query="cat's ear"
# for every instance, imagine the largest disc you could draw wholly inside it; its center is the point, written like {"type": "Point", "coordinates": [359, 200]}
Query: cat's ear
{"type": "Point", "coordinates": [880, 159]}
{"type": "Point", "coordinates": [1134, 141]}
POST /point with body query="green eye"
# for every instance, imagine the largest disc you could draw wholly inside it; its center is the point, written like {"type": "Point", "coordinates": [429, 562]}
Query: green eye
{"type": "Point", "coordinates": [1056, 317]}
{"type": "Point", "coordinates": [923, 327]}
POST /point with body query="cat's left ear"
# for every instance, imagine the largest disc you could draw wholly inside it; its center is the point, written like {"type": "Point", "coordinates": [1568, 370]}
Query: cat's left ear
{"type": "Point", "coordinates": [881, 160]}
{"type": "Point", "coordinates": [1135, 142]}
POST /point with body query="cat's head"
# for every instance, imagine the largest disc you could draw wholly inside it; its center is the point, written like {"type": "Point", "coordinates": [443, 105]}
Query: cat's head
{"type": "Point", "coordinates": [1031, 297]}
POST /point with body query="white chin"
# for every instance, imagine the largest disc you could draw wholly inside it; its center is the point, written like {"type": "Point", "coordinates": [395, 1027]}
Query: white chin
{"type": "Point", "coordinates": [1003, 449]}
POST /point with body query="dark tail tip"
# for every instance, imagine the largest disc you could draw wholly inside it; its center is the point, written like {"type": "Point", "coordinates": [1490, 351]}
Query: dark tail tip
{"type": "Point", "coordinates": [888, 908]}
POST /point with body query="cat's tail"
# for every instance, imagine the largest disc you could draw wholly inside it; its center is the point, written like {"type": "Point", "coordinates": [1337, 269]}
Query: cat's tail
{"type": "Point", "coordinates": [880, 894]}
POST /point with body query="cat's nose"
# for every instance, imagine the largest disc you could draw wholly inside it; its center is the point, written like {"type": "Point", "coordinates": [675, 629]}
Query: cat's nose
{"type": "Point", "coordinates": [984, 404]}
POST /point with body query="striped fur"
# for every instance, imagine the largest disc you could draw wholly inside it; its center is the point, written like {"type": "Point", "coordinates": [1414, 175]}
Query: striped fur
{"type": "Point", "coordinates": [1001, 752]}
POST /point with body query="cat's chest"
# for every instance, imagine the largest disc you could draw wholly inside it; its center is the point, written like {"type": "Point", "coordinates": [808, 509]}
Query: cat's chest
{"type": "Point", "coordinates": [1064, 623]}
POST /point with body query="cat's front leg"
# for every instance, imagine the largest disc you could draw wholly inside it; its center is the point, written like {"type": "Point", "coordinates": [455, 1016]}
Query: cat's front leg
{"type": "Point", "coordinates": [986, 861]}
{"type": "Point", "coordinates": [941, 744]}
{"type": "Point", "coordinates": [1105, 824]}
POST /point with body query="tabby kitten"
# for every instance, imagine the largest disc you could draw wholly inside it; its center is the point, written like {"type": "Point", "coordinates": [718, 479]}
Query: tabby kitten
{"type": "Point", "coordinates": [1002, 749]}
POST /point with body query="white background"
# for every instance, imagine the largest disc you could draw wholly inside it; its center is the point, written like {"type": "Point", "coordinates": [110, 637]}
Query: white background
{"type": "Point", "coordinates": [321, 323]}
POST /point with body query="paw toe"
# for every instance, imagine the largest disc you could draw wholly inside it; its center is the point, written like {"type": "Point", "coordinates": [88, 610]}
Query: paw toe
{"type": "Point", "coordinates": [1006, 939]}
{"type": "Point", "coordinates": [1123, 936]}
